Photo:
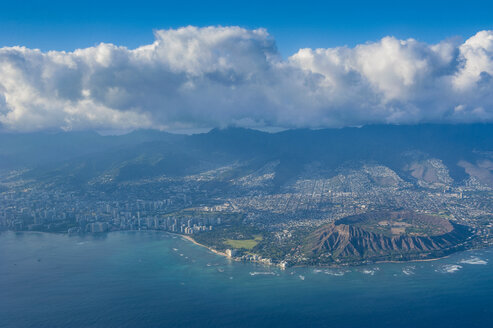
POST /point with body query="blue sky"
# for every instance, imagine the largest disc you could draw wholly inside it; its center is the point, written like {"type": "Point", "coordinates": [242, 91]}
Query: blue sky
{"type": "Point", "coordinates": [66, 25]}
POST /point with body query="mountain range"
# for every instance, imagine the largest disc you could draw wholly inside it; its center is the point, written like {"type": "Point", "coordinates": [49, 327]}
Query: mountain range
{"type": "Point", "coordinates": [464, 150]}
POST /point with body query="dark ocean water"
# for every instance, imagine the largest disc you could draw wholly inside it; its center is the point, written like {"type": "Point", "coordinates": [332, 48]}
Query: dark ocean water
{"type": "Point", "coordinates": [152, 279]}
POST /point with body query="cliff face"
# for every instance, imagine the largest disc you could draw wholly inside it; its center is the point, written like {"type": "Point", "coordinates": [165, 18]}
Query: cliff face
{"type": "Point", "coordinates": [342, 241]}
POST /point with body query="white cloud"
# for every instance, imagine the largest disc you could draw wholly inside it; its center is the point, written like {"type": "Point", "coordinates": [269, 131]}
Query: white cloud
{"type": "Point", "coordinates": [216, 76]}
{"type": "Point", "coordinates": [476, 55]}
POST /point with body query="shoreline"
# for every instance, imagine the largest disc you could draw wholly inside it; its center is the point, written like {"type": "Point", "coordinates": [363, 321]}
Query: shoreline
{"type": "Point", "coordinates": [185, 237]}
{"type": "Point", "coordinates": [202, 245]}
{"type": "Point", "coordinates": [190, 239]}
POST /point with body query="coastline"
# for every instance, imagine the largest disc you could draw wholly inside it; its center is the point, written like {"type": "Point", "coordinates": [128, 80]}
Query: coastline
{"type": "Point", "coordinates": [202, 245]}
{"type": "Point", "coordinates": [380, 262]}
{"type": "Point", "coordinates": [422, 260]}
{"type": "Point", "coordinates": [226, 255]}
{"type": "Point", "coordinates": [307, 266]}
{"type": "Point", "coordinates": [335, 265]}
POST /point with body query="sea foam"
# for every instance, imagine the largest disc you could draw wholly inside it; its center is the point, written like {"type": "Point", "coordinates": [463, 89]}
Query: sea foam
{"type": "Point", "coordinates": [371, 271]}
{"type": "Point", "coordinates": [409, 270]}
{"type": "Point", "coordinates": [474, 260]}
{"type": "Point", "coordinates": [337, 273]}
{"type": "Point", "coordinates": [267, 273]}
{"type": "Point", "coordinates": [449, 268]}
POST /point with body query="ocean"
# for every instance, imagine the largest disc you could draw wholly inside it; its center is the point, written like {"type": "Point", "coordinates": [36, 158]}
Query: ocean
{"type": "Point", "coordinates": [155, 279]}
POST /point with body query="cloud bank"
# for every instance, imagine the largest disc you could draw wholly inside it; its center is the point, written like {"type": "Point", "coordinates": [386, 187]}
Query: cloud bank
{"type": "Point", "coordinates": [219, 76]}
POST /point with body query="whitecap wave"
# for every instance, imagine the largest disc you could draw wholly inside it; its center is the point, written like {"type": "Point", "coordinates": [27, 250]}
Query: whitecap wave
{"type": "Point", "coordinates": [474, 260]}
{"type": "Point", "coordinates": [337, 273]}
{"type": "Point", "coordinates": [449, 268]}
{"type": "Point", "coordinates": [371, 271]}
{"type": "Point", "coordinates": [409, 270]}
{"type": "Point", "coordinates": [267, 273]}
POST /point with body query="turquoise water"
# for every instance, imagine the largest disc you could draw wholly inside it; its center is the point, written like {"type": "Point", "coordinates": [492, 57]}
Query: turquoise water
{"type": "Point", "coordinates": [153, 279]}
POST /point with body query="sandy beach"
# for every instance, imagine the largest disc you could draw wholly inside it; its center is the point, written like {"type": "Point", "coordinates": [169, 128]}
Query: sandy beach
{"type": "Point", "coordinates": [209, 248]}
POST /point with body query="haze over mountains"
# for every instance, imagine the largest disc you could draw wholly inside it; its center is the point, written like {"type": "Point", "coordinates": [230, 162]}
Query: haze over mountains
{"type": "Point", "coordinates": [464, 151]}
